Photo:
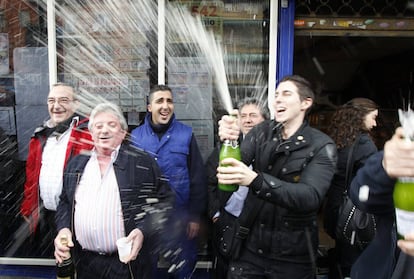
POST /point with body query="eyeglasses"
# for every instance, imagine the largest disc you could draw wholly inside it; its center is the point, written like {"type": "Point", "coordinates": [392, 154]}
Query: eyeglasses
{"type": "Point", "coordinates": [61, 101]}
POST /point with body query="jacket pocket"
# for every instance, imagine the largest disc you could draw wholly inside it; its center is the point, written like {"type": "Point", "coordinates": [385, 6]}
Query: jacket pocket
{"type": "Point", "coordinates": [292, 170]}
{"type": "Point", "coordinates": [295, 234]}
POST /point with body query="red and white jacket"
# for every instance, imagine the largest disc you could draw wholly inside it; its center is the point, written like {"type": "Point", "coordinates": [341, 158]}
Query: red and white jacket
{"type": "Point", "coordinates": [80, 141]}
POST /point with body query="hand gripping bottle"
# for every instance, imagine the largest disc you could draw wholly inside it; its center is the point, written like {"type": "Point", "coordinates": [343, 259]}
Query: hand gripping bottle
{"type": "Point", "coordinates": [65, 269]}
{"type": "Point", "coordinates": [229, 149]}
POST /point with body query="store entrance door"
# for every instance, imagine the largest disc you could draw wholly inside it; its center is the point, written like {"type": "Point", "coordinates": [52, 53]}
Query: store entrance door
{"type": "Point", "coordinates": [356, 49]}
{"type": "Point", "coordinates": [341, 67]}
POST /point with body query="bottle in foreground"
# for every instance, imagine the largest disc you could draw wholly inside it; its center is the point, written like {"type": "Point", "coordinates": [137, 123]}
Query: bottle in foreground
{"type": "Point", "coordinates": [404, 187]}
{"type": "Point", "coordinates": [404, 206]}
{"type": "Point", "coordinates": [229, 149]}
{"type": "Point", "coordinates": [65, 269]}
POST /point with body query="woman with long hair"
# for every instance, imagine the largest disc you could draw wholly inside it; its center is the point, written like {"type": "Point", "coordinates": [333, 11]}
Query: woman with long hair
{"type": "Point", "coordinates": [350, 125]}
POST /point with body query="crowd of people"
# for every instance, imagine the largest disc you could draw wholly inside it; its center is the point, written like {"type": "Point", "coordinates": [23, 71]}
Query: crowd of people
{"type": "Point", "coordinates": [89, 180]}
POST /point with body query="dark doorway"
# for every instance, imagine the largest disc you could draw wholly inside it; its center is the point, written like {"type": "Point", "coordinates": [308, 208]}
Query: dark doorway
{"type": "Point", "coordinates": [379, 68]}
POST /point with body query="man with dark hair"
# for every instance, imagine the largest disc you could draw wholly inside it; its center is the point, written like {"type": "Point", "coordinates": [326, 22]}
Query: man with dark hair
{"type": "Point", "coordinates": [292, 167]}
{"type": "Point", "coordinates": [174, 147]}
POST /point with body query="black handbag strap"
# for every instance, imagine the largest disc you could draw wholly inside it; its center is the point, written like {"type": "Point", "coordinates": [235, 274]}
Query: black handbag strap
{"type": "Point", "coordinates": [350, 163]}
{"type": "Point", "coordinates": [246, 218]}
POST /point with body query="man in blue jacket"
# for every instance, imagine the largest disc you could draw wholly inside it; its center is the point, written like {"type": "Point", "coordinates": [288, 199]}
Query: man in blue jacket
{"type": "Point", "coordinates": [385, 257]}
{"type": "Point", "coordinates": [174, 147]}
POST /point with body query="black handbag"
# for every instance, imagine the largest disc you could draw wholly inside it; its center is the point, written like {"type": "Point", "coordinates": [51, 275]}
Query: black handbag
{"type": "Point", "coordinates": [230, 244]}
{"type": "Point", "coordinates": [354, 226]}
{"type": "Point", "coordinates": [235, 233]}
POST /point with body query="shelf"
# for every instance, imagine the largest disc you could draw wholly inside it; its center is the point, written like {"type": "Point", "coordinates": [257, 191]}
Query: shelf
{"type": "Point", "coordinates": [252, 56]}
{"type": "Point", "coordinates": [241, 20]}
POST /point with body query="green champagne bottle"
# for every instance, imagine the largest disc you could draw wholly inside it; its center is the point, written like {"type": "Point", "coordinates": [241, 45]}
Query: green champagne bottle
{"type": "Point", "coordinates": [403, 194]}
{"type": "Point", "coordinates": [229, 149]}
{"type": "Point", "coordinates": [404, 205]}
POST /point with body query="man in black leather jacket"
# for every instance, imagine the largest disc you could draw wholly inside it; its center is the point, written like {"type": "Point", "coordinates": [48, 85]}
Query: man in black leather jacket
{"type": "Point", "coordinates": [293, 165]}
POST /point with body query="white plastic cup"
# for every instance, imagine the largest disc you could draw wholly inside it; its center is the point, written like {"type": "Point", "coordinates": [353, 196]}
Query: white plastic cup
{"type": "Point", "coordinates": [124, 248]}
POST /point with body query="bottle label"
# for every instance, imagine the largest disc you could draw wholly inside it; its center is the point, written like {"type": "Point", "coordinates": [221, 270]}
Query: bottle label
{"type": "Point", "coordinates": [405, 221]}
{"type": "Point", "coordinates": [406, 179]}
{"type": "Point", "coordinates": [234, 144]}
